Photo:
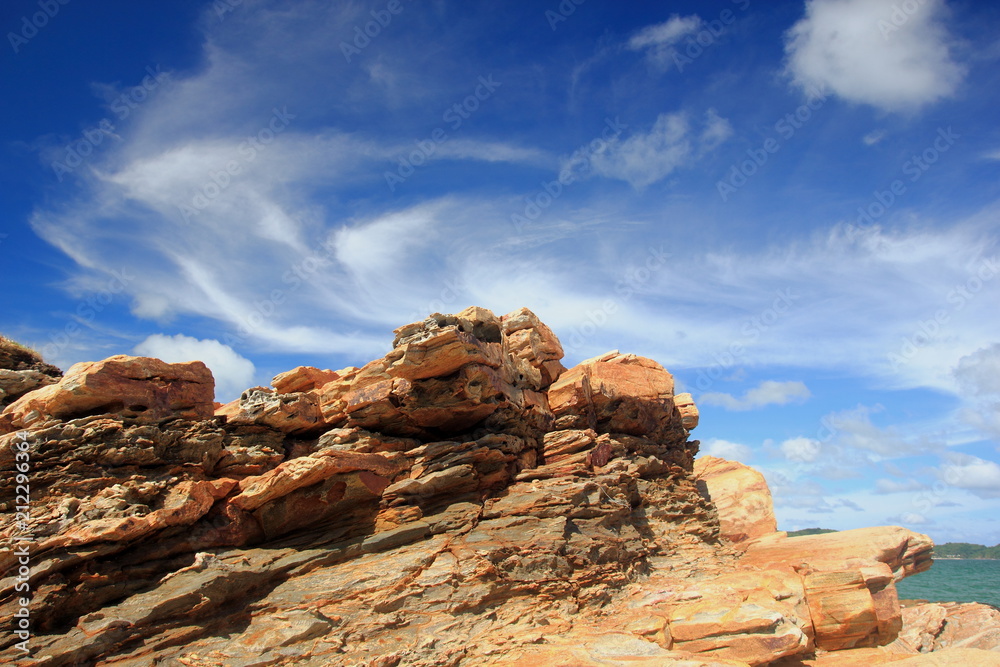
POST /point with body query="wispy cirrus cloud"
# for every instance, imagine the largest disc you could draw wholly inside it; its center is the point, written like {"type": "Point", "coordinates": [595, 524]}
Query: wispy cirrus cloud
{"type": "Point", "coordinates": [658, 40]}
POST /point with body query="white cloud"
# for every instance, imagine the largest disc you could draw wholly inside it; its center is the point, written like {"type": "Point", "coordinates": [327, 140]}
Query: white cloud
{"type": "Point", "coordinates": [492, 151]}
{"type": "Point", "coordinates": [725, 449]}
{"type": "Point", "coordinates": [869, 52]}
{"type": "Point", "coordinates": [909, 519]}
{"type": "Point", "coordinates": [979, 373]}
{"type": "Point", "coordinates": [232, 372]}
{"type": "Point", "coordinates": [647, 157]}
{"type": "Point", "coordinates": [873, 137]}
{"type": "Point", "coordinates": [984, 416]}
{"type": "Point", "coordinates": [658, 39]}
{"type": "Point", "coordinates": [854, 428]}
{"type": "Point", "coordinates": [768, 392]}
{"type": "Point", "coordinates": [976, 475]}
{"type": "Point", "coordinates": [804, 450]}
{"type": "Point", "coordinates": [717, 130]}
{"type": "Point", "coordinates": [978, 378]}
{"type": "Point", "coordinates": [382, 249]}
{"type": "Point", "coordinates": [886, 486]}
{"type": "Point", "coordinates": [670, 31]}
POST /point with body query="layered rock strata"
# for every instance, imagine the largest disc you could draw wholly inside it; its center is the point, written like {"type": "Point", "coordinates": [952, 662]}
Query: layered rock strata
{"type": "Point", "coordinates": [464, 500]}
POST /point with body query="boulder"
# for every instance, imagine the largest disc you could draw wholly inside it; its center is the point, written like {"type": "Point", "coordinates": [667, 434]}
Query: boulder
{"type": "Point", "coordinates": [754, 617]}
{"type": "Point", "coordinates": [741, 496]}
{"type": "Point", "coordinates": [528, 338]}
{"type": "Point", "coordinates": [687, 409]}
{"type": "Point", "coordinates": [303, 378]}
{"type": "Point", "coordinates": [904, 551]}
{"type": "Point", "coordinates": [294, 413]}
{"type": "Point", "coordinates": [142, 388]}
{"type": "Point", "coordinates": [849, 609]}
{"type": "Point", "coordinates": [444, 375]}
{"type": "Point", "coordinates": [617, 393]}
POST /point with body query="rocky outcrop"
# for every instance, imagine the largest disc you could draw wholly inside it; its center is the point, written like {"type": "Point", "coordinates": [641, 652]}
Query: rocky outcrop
{"type": "Point", "coordinates": [464, 500]}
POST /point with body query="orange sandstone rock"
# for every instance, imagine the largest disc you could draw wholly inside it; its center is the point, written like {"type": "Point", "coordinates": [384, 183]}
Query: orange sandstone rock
{"type": "Point", "coordinates": [302, 378]}
{"type": "Point", "coordinates": [740, 494]}
{"type": "Point", "coordinates": [139, 387]}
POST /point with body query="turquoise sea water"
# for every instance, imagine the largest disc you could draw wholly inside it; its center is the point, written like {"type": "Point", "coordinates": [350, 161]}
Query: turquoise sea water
{"type": "Point", "coordinates": [952, 580]}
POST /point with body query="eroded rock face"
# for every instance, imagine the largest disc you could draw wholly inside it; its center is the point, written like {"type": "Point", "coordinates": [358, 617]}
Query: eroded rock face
{"type": "Point", "coordinates": [464, 500]}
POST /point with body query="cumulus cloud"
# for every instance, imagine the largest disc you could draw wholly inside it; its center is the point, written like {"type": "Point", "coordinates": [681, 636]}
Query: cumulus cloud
{"type": "Point", "coordinates": [768, 392]}
{"type": "Point", "coordinates": [725, 449]}
{"type": "Point", "coordinates": [979, 373]}
{"type": "Point", "coordinates": [804, 450]}
{"type": "Point", "coordinates": [232, 372]}
{"type": "Point", "coordinates": [976, 475]}
{"type": "Point", "coordinates": [871, 52]}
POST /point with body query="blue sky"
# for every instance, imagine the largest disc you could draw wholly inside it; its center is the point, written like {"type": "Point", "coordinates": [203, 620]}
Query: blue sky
{"type": "Point", "coordinates": [792, 205]}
